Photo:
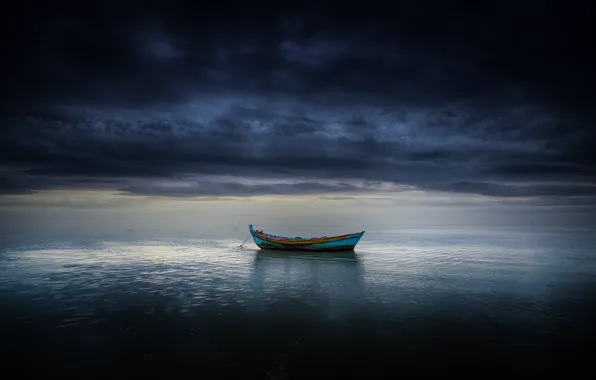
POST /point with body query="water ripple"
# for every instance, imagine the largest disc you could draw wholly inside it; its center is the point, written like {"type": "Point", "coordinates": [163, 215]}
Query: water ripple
{"type": "Point", "coordinates": [396, 278]}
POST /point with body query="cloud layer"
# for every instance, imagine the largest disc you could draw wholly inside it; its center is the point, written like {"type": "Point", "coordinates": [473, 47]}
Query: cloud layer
{"type": "Point", "coordinates": [175, 102]}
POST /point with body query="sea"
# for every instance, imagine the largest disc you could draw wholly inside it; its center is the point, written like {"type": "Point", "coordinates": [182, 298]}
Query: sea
{"type": "Point", "coordinates": [409, 301]}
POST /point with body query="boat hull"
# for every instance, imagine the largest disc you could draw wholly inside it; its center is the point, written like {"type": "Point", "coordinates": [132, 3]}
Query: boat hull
{"type": "Point", "coordinates": [331, 244]}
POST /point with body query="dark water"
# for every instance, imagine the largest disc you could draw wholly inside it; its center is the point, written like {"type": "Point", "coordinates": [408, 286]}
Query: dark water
{"type": "Point", "coordinates": [408, 301]}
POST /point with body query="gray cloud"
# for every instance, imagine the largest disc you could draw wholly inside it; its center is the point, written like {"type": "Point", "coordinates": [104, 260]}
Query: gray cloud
{"type": "Point", "coordinates": [209, 188]}
{"type": "Point", "coordinates": [434, 99]}
{"type": "Point", "coordinates": [235, 136]}
{"type": "Point", "coordinates": [519, 190]}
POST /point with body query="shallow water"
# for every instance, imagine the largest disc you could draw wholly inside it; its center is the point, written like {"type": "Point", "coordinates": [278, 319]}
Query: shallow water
{"type": "Point", "coordinates": [408, 301]}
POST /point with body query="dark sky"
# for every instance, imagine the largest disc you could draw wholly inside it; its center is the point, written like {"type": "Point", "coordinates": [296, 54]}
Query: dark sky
{"type": "Point", "coordinates": [491, 98]}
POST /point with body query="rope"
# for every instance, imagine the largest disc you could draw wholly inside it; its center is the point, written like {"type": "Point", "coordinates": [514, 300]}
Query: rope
{"type": "Point", "coordinates": [241, 245]}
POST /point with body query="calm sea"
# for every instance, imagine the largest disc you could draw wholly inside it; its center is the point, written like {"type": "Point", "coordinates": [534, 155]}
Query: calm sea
{"type": "Point", "coordinates": [408, 301]}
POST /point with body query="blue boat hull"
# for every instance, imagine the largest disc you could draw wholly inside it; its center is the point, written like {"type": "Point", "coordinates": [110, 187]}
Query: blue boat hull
{"type": "Point", "coordinates": [345, 243]}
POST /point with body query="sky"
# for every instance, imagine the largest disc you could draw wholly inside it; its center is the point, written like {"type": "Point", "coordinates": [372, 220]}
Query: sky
{"type": "Point", "coordinates": [115, 114]}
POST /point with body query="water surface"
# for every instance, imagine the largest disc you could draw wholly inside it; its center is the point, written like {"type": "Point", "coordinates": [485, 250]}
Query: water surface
{"type": "Point", "coordinates": [408, 301]}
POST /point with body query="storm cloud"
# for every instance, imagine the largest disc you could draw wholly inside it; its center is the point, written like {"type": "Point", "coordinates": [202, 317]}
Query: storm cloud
{"type": "Point", "coordinates": [496, 100]}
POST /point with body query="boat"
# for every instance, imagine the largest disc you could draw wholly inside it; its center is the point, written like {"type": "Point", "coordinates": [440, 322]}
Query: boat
{"type": "Point", "coordinates": [345, 242]}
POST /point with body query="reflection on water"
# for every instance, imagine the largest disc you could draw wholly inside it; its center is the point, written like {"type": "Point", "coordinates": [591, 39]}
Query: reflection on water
{"type": "Point", "coordinates": [331, 282]}
{"type": "Point", "coordinates": [346, 256]}
{"type": "Point", "coordinates": [418, 302]}
{"type": "Point", "coordinates": [295, 269]}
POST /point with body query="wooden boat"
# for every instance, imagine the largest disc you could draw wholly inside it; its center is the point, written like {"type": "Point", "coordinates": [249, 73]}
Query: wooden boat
{"type": "Point", "coordinates": [318, 244]}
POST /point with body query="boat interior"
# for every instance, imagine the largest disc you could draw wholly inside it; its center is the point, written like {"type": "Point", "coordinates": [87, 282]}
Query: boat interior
{"type": "Point", "coordinates": [298, 238]}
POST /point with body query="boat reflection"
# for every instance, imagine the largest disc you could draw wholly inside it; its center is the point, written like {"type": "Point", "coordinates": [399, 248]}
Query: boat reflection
{"type": "Point", "coordinates": [342, 256]}
{"type": "Point", "coordinates": [336, 276]}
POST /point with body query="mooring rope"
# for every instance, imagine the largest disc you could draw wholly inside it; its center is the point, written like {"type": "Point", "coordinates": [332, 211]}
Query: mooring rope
{"type": "Point", "coordinates": [241, 245]}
